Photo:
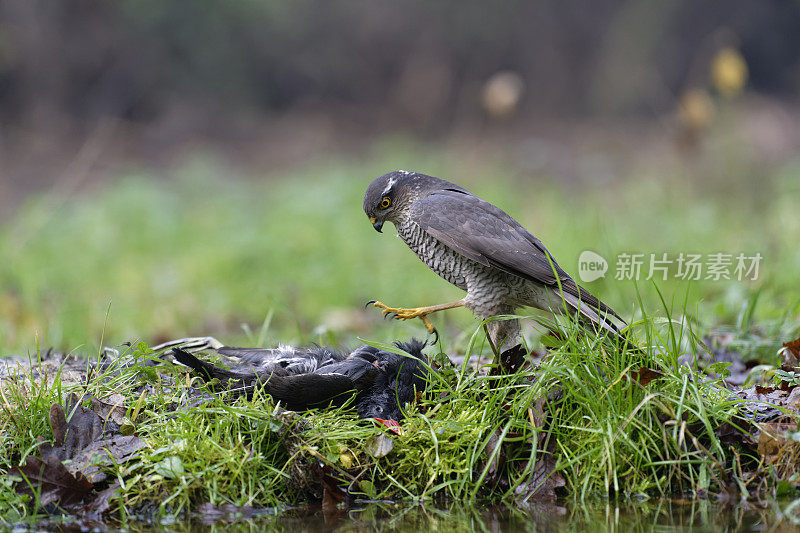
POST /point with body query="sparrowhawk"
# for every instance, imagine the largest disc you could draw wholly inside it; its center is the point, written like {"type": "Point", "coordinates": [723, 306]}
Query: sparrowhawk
{"type": "Point", "coordinates": [478, 248]}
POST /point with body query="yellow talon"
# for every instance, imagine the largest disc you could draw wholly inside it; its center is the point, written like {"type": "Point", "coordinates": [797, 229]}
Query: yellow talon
{"type": "Point", "coordinates": [428, 324]}
{"type": "Point", "coordinates": [416, 312]}
{"type": "Point", "coordinates": [401, 313]}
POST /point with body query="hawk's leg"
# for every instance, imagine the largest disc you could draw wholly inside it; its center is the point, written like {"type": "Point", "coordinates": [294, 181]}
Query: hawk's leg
{"type": "Point", "coordinates": [422, 313]}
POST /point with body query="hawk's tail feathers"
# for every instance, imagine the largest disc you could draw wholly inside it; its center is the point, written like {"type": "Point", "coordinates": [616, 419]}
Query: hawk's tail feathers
{"type": "Point", "coordinates": [592, 310]}
{"type": "Point", "coordinates": [588, 298]}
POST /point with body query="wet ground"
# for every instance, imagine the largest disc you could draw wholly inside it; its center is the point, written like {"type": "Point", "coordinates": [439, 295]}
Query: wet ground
{"type": "Point", "coordinates": [599, 515]}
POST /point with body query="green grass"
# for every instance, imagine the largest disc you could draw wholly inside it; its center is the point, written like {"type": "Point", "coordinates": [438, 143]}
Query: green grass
{"type": "Point", "coordinates": [610, 434]}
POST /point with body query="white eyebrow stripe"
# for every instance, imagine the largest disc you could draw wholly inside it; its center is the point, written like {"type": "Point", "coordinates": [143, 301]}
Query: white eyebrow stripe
{"type": "Point", "coordinates": [389, 185]}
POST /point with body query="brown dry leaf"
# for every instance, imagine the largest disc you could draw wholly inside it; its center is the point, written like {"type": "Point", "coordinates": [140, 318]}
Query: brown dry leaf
{"type": "Point", "coordinates": [773, 438]}
{"type": "Point", "coordinates": [537, 412]}
{"type": "Point", "coordinates": [332, 493]}
{"type": "Point", "coordinates": [88, 444]}
{"type": "Point", "coordinates": [110, 408]}
{"type": "Point", "coordinates": [83, 427]}
{"type": "Point", "coordinates": [764, 390]}
{"type": "Point", "coordinates": [778, 445]}
{"type": "Point", "coordinates": [791, 355]}
{"type": "Point", "coordinates": [51, 481]}
{"type": "Point", "coordinates": [101, 502]}
{"type": "Point", "coordinates": [86, 441]}
{"type": "Point", "coordinates": [764, 406]}
{"type": "Point", "coordinates": [104, 452]}
{"type": "Point", "coordinates": [330, 501]}
{"type": "Point", "coordinates": [543, 481]}
{"type": "Point", "coordinates": [645, 375]}
{"type": "Point", "coordinates": [738, 433]}
{"type": "Point", "coordinates": [793, 347]}
{"type": "Point", "coordinates": [793, 401]}
{"type": "Point", "coordinates": [775, 396]}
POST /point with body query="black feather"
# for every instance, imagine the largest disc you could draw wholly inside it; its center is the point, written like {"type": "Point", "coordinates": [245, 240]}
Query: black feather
{"type": "Point", "coordinates": [319, 376]}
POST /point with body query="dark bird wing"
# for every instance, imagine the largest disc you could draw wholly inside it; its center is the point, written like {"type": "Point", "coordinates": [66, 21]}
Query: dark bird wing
{"type": "Point", "coordinates": [331, 383]}
{"type": "Point", "coordinates": [306, 391]}
{"type": "Point", "coordinates": [383, 381]}
{"type": "Point", "coordinates": [488, 235]}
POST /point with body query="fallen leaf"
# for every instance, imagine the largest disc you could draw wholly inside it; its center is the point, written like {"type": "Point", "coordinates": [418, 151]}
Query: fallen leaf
{"type": "Point", "coordinates": [790, 355]}
{"type": "Point", "coordinates": [87, 442]}
{"type": "Point", "coordinates": [84, 426]}
{"type": "Point", "coordinates": [793, 401]}
{"type": "Point", "coordinates": [332, 493]}
{"type": "Point", "coordinates": [391, 425]}
{"type": "Point", "coordinates": [101, 502]}
{"type": "Point", "coordinates": [379, 445]}
{"type": "Point", "coordinates": [764, 407]}
{"type": "Point", "coordinates": [51, 481]}
{"type": "Point", "coordinates": [739, 432]}
{"type": "Point", "coordinates": [645, 375]}
{"type": "Point", "coordinates": [543, 481]}
{"type": "Point", "coordinates": [773, 438]}
{"type": "Point", "coordinates": [110, 408]}
{"type": "Point", "coordinates": [330, 500]}
{"type": "Point", "coordinates": [793, 347]}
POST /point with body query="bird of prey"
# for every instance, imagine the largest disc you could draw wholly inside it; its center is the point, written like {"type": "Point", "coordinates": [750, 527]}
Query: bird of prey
{"type": "Point", "coordinates": [311, 377]}
{"type": "Point", "coordinates": [480, 249]}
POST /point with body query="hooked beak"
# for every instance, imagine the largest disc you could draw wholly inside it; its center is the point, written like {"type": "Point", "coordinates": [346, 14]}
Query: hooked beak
{"type": "Point", "coordinates": [378, 225]}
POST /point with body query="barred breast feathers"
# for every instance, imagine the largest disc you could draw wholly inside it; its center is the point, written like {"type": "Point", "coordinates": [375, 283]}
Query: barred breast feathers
{"type": "Point", "coordinates": [488, 289]}
{"type": "Point", "coordinates": [441, 259]}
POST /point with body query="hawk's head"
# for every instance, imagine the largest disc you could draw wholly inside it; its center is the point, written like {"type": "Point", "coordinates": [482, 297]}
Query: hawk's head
{"type": "Point", "coordinates": [385, 197]}
{"type": "Point", "coordinates": [389, 196]}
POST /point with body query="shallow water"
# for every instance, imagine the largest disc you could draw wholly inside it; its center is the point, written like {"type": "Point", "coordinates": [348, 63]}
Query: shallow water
{"type": "Point", "coordinates": [663, 515]}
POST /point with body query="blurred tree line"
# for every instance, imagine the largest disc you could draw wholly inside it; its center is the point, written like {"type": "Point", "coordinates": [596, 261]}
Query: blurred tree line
{"type": "Point", "coordinates": [65, 63]}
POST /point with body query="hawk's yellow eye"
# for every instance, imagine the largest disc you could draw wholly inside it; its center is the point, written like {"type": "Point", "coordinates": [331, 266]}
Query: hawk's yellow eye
{"type": "Point", "coordinates": [386, 202]}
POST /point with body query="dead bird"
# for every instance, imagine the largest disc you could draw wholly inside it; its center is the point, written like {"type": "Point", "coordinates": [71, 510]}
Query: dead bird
{"type": "Point", "coordinates": [302, 378]}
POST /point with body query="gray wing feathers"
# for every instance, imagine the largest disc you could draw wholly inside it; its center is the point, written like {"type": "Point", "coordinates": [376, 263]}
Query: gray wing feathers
{"type": "Point", "coordinates": [488, 235]}
{"type": "Point", "coordinates": [484, 233]}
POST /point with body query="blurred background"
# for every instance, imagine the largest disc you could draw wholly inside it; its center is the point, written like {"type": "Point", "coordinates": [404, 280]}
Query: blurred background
{"type": "Point", "coordinates": [196, 167]}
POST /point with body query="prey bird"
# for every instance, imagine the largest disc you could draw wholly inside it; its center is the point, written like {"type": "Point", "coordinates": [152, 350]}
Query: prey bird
{"type": "Point", "coordinates": [480, 249]}
{"type": "Point", "coordinates": [313, 377]}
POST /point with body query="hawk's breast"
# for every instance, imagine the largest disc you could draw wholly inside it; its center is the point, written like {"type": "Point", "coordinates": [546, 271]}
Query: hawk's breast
{"type": "Point", "coordinates": [447, 263]}
{"type": "Point", "coordinates": [490, 291]}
